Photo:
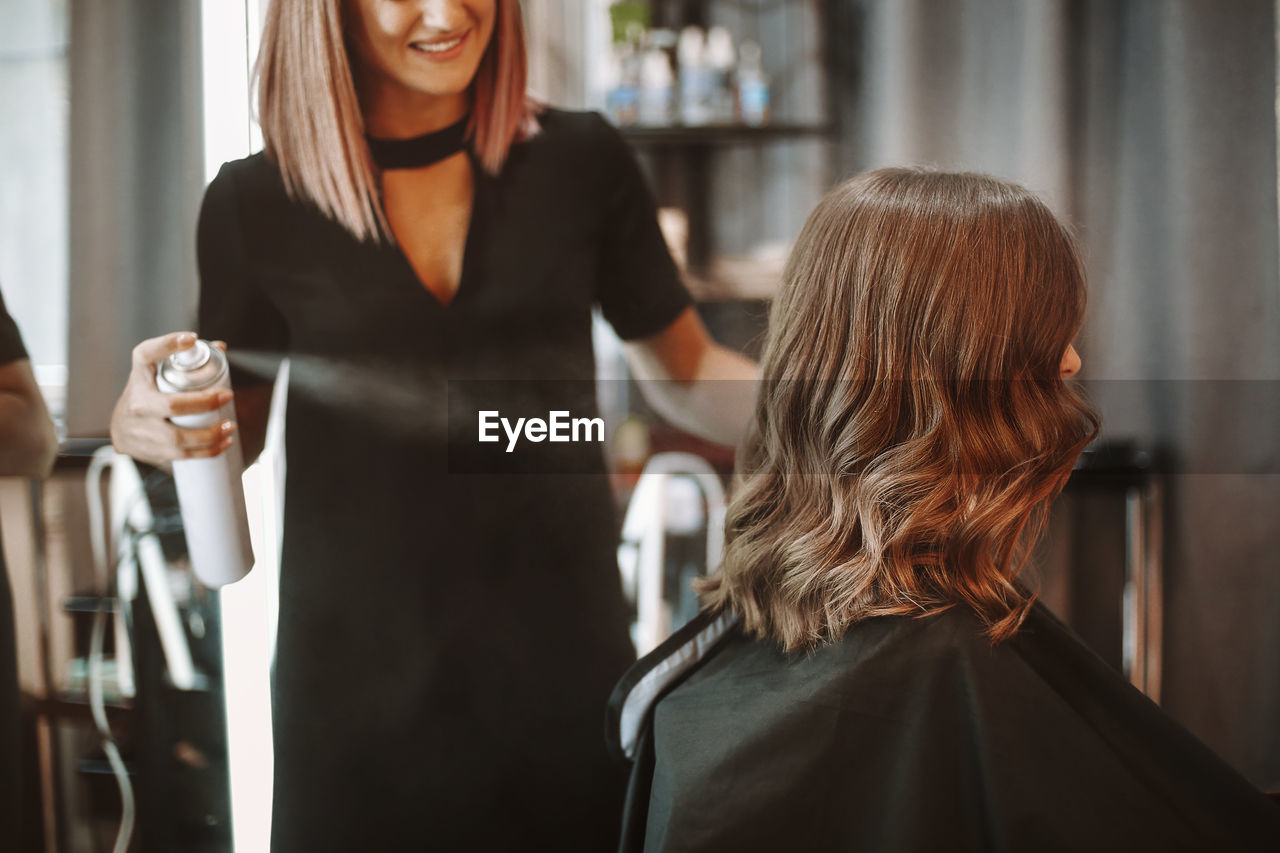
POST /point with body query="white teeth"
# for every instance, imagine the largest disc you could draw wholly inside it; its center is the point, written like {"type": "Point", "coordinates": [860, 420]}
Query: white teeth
{"type": "Point", "coordinates": [438, 47]}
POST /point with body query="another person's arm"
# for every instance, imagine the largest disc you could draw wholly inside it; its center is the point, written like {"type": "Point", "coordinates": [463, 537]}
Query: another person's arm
{"type": "Point", "coordinates": [28, 443]}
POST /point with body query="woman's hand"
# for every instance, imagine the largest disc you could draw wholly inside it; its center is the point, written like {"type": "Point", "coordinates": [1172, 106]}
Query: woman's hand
{"type": "Point", "coordinates": [140, 425]}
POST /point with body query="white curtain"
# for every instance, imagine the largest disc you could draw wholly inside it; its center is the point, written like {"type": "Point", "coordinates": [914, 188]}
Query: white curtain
{"type": "Point", "coordinates": [136, 179]}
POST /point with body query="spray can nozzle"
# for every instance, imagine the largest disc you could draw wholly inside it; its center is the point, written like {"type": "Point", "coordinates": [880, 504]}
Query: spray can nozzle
{"type": "Point", "coordinates": [197, 355]}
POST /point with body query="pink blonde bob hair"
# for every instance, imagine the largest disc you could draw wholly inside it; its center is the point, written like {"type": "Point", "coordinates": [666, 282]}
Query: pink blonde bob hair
{"type": "Point", "coordinates": [313, 127]}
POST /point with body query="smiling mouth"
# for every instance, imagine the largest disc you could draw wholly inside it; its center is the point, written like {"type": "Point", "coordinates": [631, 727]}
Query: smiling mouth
{"type": "Point", "coordinates": [439, 46]}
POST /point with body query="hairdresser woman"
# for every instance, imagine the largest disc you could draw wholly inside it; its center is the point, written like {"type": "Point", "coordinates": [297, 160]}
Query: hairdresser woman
{"type": "Point", "coordinates": [424, 243]}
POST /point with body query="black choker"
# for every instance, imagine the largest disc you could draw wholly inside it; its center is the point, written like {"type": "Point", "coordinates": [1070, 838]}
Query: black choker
{"type": "Point", "coordinates": [420, 150]}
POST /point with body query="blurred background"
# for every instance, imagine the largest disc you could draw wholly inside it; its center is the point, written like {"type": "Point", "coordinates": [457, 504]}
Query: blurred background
{"type": "Point", "coordinates": [1149, 125]}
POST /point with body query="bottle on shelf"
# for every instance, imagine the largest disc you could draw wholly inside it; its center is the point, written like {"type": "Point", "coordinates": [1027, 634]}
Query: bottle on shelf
{"type": "Point", "coordinates": [697, 80]}
{"type": "Point", "coordinates": [657, 88]}
{"type": "Point", "coordinates": [753, 86]}
{"type": "Point", "coordinates": [622, 97]}
{"type": "Point", "coordinates": [720, 60]}
{"type": "Point", "coordinates": [621, 74]}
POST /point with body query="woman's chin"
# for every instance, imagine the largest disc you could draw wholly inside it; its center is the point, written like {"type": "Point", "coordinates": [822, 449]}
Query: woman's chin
{"type": "Point", "coordinates": [442, 83]}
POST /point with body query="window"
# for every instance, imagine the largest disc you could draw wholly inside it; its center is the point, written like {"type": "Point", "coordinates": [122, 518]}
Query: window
{"type": "Point", "coordinates": [33, 184]}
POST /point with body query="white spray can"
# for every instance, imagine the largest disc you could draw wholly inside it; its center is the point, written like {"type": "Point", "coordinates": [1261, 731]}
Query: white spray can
{"type": "Point", "coordinates": [209, 490]}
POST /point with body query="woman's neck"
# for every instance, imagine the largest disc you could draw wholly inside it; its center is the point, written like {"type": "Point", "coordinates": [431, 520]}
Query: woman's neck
{"type": "Point", "coordinates": [405, 116]}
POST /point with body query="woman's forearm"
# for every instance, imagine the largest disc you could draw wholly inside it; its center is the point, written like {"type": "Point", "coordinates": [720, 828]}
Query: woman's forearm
{"type": "Point", "coordinates": [715, 403]}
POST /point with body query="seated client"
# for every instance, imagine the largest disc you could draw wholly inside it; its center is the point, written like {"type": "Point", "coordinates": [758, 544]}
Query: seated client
{"type": "Point", "coordinates": [867, 673]}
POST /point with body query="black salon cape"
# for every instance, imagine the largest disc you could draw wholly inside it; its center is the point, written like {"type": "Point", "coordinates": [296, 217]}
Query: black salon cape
{"type": "Point", "coordinates": [913, 734]}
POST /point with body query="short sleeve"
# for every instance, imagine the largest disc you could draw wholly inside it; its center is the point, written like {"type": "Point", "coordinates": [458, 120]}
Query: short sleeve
{"type": "Point", "coordinates": [232, 306]}
{"type": "Point", "coordinates": [639, 288]}
{"type": "Point", "coordinates": [11, 348]}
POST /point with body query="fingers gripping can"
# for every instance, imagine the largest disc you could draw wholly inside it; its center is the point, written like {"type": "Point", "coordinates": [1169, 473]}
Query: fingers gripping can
{"type": "Point", "coordinates": [210, 492]}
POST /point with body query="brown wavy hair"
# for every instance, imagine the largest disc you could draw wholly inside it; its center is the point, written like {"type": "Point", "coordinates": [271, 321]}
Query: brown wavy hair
{"type": "Point", "coordinates": [913, 426]}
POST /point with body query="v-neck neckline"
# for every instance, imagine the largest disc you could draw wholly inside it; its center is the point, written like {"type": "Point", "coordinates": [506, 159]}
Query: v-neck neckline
{"type": "Point", "coordinates": [479, 179]}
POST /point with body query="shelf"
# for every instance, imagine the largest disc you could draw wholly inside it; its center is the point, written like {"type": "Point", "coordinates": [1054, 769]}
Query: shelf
{"type": "Point", "coordinates": [102, 767]}
{"type": "Point", "coordinates": [1114, 464]}
{"type": "Point", "coordinates": [720, 134]}
{"type": "Point", "coordinates": [74, 453]}
{"type": "Point", "coordinates": [89, 604]}
{"type": "Point", "coordinates": [74, 704]}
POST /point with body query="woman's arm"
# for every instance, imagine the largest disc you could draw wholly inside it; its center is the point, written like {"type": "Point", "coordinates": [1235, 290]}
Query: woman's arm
{"type": "Point", "coordinates": [690, 380]}
{"type": "Point", "coordinates": [693, 382]}
{"type": "Point", "coordinates": [28, 443]}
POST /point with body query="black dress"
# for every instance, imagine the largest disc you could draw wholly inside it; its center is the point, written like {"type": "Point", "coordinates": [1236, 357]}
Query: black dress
{"type": "Point", "coordinates": [912, 735]}
{"type": "Point", "coordinates": [451, 618]}
{"type": "Point", "coordinates": [11, 349]}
